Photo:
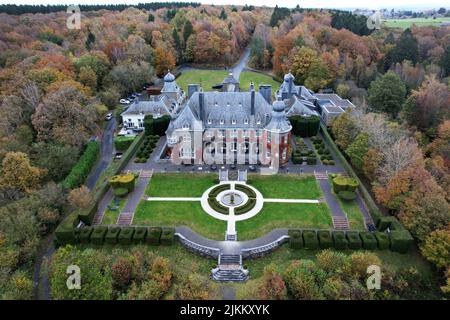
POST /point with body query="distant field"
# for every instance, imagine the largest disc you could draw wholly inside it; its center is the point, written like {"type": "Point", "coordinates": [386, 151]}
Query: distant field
{"type": "Point", "coordinates": [206, 78]}
{"type": "Point", "coordinates": [257, 78]}
{"type": "Point", "coordinates": [420, 22]}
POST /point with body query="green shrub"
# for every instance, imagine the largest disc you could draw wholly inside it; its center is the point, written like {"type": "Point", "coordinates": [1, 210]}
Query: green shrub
{"type": "Point", "coordinates": [65, 232]}
{"type": "Point", "coordinates": [295, 239]}
{"type": "Point", "coordinates": [382, 240]}
{"type": "Point", "coordinates": [126, 235]}
{"type": "Point", "coordinates": [215, 205]}
{"type": "Point", "coordinates": [122, 143]}
{"type": "Point", "coordinates": [112, 235]}
{"type": "Point", "coordinates": [249, 192]}
{"type": "Point", "coordinates": [98, 235]}
{"type": "Point", "coordinates": [167, 236]}
{"type": "Point", "coordinates": [249, 205]}
{"type": "Point", "coordinates": [354, 241]}
{"type": "Point", "coordinates": [156, 126]}
{"type": "Point", "coordinates": [120, 192]}
{"type": "Point", "coordinates": [81, 169]}
{"type": "Point", "coordinates": [325, 239]}
{"type": "Point", "coordinates": [139, 235]}
{"type": "Point", "coordinates": [87, 215]}
{"type": "Point", "coordinates": [339, 240]}
{"type": "Point", "coordinates": [347, 195]}
{"type": "Point", "coordinates": [126, 180]}
{"type": "Point", "coordinates": [85, 234]}
{"type": "Point", "coordinates": [324, 161]}
{"type": "Point", "coordinates": [216, 190]}
{"type": "Point", "coordinates": [331, 162]}
{"type": "Point", "coordinates": [153, 235]}
{"type": "Point", "coordinates": [310, 239]}
{"type": "Point", "coordinates": [341, 183]}
{"type": "Point", "coordinates": [311, 160]}
{"type": "Point", "coordinates": [390, 222]}
{"type": "Point", "coordinates": [401, 241]}
{"type": "Point", "coordinates": [368, 240]}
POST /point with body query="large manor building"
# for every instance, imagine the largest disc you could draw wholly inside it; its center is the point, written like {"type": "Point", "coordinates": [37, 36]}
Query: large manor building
{"type": "Point", "coordinates": [245, 119]}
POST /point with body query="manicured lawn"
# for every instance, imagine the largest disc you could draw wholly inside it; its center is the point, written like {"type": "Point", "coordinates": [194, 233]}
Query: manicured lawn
{"type": "Point", "coordinates": [286, 186]}
{"type": "Point", "coordinates": [285, 215]}
{"type": "Point", "coordinates": [179, 213]}
{"type": "Point", "coordinates": [420, 22]}
{"type": "Point", "coordinates": [205, 78]}
{"type": "Point", "coordinates": [110, 216]}
{"type": "Point", "coordinates": [258, 78]}
{"type": "Point", "coordinates": [180, 184]}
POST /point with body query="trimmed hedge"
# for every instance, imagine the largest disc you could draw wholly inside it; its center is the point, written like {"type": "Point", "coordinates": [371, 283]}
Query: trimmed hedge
{"type": "Point", "coordinates": [339, 240]}
{"type": "Point", "coordinates": [112, 235]}
{"type": "Point", "coordinates": [401, 241]}
{"type": "Point", "coordinates": [311, 160]}
{"type": "Point", "coordinates": [341, 183]}
{"type": "Point", "coordinates": [248, 191]}
{"type": "Point", "coordinates": [167, 236]}
{"type": "Point", "coordinates": [120, 192]}
{"type": "Point", "coordinates": [126, 181]}
{"type": "Point", "coordinates": [85, 234]}
{"type": "Point", "coordinates": [156, 126]}
{"type": "Point", "coordinates": [310, 239]}
{"type": "Point", "coordinates": [139, 235]}
{"type": "Point", "coordinates": [354, 241]}
{"type": "Point", "coordinates": [98, 235]}
{"type": "Point", "coordinates": [65, 233]}
{"type": "Point", "coordinates": [249, 205]}
{"type": "Point", "coordinates": [126, 235]}
{"type": "Point", "coordinates": [368, 240]}
{"type": "Point", "coordinates": [295, 239]}
{"type": "Point", "coordinates": [87, 215]}
{"type": "Point", "coordinates": [215, 205]}
{"type": "Point", "coordinates": [122, 143]}
{"type": "Point", "coordinates": [81, 169]}
{"type": "Point", "coordinates": [153, 235]}
{"type": "Point", "coordinates": [305, 126]}
{"type": "Point", "coordinates": [325, 239]}
{"type": "Point", "coordinates": [383, 241]}
{"type": "Point", "coordinates": [216, 190]}
{"type": "Point", "coordinates": [347, 195]}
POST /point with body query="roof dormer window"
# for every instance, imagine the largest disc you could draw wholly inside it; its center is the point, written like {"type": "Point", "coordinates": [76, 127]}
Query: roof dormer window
{"type": "Point", "coordinates": [245, 120]}
{"type": "Point", "coordinates": [185, 125]}
{"type": "Point", "coordinates": [228, 104]}
{"type": "Point", "coordinates": [222, 121]}
{"type": "Point", "coordinates": [209, 121]}
{"type": "Point", "coordinates": [233, 121]}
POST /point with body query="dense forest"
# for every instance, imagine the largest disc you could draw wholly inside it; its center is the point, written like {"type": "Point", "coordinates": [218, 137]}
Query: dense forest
{"type": "Point", "coordinates": [56, 84]}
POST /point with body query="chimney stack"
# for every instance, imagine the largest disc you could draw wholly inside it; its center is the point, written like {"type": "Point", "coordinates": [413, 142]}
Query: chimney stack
{"type": "Point", "coordinates": [201, 103]}
{"type": "Point", "coordinates": [192, 88]}
{"type": "Point", "coordinates": [252, 101]}
{"type": "Point", "coordinates": [266, 92]}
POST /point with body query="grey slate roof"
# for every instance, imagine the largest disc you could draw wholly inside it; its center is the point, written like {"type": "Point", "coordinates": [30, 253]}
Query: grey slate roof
{"type": "Point", "coordinates": [224, 110]}
{"type": "Point", "coordinates": [335, 99]}
{"type": "Point", "coordinates": [169, 84]}
{"type": "Point", "coordinates": [279, 121]}
{"type": "Point", "coordinates": [160, 105]}
{"type": "Point", "coordinates": [297, 106]}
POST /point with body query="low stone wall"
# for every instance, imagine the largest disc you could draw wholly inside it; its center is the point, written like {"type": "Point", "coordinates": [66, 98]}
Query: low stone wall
{"type": "Point", "coordinates": [197, 248]}
{"type": "Point", "coordinates": [261, 251]}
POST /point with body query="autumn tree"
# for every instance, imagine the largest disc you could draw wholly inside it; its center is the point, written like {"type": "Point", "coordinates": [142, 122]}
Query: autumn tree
{"type": "Point", "coordinates": [357, 150]}
{"type": "Point", "coordinates": [18, 176]}
{"type": "Point", "coordinates": [387, 94]}
{"type": "Point", "coordinates": [303, 63]}
{"type": "Point", "coordinates": [88, 78]}
{"type": "Point", "coordinates": [164, 60]}
{"type": "Point", "coordinates": [80, 198]}
{"type": "Point", "coordinates": [272, 287]}
{"type": "Point", "coordinates": [193, 287]}
{"type": "Point", "coordinates": [344, 129]}
{"type": "Point", "coordinates": [436, 248]}
{"type": "Point", "coordinates": [65, 117]}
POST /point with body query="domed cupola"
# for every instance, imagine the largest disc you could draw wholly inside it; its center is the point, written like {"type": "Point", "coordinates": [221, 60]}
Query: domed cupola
{"type": "Point", "coordinates": [169, 77]}
{"type": "Point", "coordinates": [279, 122]}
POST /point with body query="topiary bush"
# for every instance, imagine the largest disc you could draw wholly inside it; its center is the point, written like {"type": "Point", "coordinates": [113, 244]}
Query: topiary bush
{"type": "Point", "coordinates": [139, 235]}
{"type": "Point", "coordinates": [310, 239]}
{"type": "Point", "coordinates": [98, 235]}
{"type": "Point", "coordinates": [311, 160]}
{"type": "Point", "coordinates": [295, 239]}
{"type": "Point", "coordinates": [65, 232]}
{"type": "Point", "coordinates": [339, 240]}
{"type": "Point", "coordinates": [401, 241]}
{"type": "Point", "coordinates": [120, 192]}
{"type": "Point", "coordinates": [341, 183]}
{"type": "Point", "coordinates": [354, 241]}
{"type": "Point", "coordinates": [368, 240]}
{"type": "Point", "coordinates": [85, 234]}
{"type": "Point", "coordinates": [383, 241]}
{"type": "Point", "coordinates": [126, 181]}
{"type": "Point", "coordinates": [126, 235]}
{"type": "Point", "coordinates": [325, 240]}
{"type": "Point", "coordinates": [153, 235]}
{"type": "Point", "coordinates": [215, 205]}
{"type": "Point", "coordinates": [347, 195]}
{"type": "Point", "coordinates": [167, 236]}
{"type": "Point", "coordinates": [112, 235]}
{"type": "Point", "coordinates": [249, 192]}
{"type": "Point", "coordinates": [249, 205]}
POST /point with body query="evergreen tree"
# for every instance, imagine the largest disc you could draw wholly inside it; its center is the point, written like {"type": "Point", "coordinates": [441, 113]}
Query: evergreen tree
{"type": "Point", "coordinates": [444, 63]}
{"type": "Point", "coordinates": [406, 48]}
{"type": "Point", "coordinates": [278, 14]}
{"type": "Point", "coordinates": [223, 15]}
{"type": "Point", "coordinates": [151, 17]}
{"type": "Point", "coordinates": [387, 94]}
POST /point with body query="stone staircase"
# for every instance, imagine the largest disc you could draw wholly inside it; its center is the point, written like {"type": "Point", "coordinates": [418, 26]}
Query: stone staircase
{"type": "Point", "coordinates": [98, 218]}
{"type": "Point", "coordinates": [340, 223]}
{"type": "Point", "coordinates": [146, 174]}
{"type": "Point", "coordinates": [321, 175]}
{"type": "Point", "coordinates": [125, 218]}
{"type": "Point", "coordinates": [231, 237]}
{"type": "Point", "coordinates": [230, 269]}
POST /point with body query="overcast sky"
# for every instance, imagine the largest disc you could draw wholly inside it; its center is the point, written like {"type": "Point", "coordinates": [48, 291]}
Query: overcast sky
{"type": "Point", "coordinates": [374, 4]}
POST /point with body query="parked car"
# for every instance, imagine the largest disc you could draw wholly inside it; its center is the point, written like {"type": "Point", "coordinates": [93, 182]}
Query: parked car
{"type": "Point", "coordinates": [108, 116]}
{"type": "Point", "coordinates": [124, 101]}
{"type": "Point", "coordinates": [118, 155]}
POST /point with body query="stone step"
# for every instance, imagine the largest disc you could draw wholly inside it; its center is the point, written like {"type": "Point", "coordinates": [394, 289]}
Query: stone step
{"type": "Point", "coordinates": [125, 218]}
{"type": "Point", "coordinates": [146, 174]}
{"type": "Point", "coordinates": [230, 275]}
{"type": "Point", "coordinates": [97, 218]}
{"type": "Point", "coordinates": [230, 259]}
{"type": "Point", "coordinates": [321, 176]}
{"type": "Point", "coordinates": [340, 223]}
